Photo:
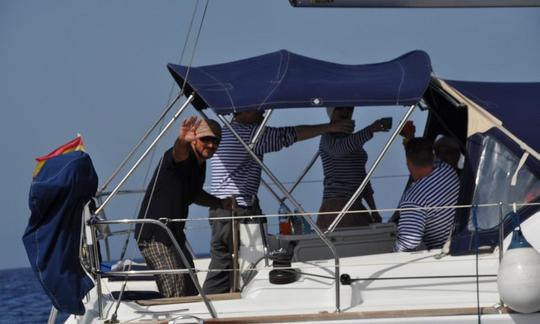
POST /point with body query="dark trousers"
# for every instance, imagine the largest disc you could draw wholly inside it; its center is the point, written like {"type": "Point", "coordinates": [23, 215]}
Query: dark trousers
{"type": "Point", "coordinates": [219, 279]}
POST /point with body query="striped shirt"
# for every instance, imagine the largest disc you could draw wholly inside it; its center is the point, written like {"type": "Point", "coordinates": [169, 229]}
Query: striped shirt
{"type": "Point", "coordinates": [430, 226]}
{"type": "Point", "coordinates": [234, 171]}
{"type": "Point", "coordinates": [344, 163]}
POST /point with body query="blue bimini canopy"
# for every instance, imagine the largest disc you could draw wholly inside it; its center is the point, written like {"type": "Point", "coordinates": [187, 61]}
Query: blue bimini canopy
{"type": "Point", "coordinates": [286, 80]}
{"type": "Point", "coordinates": [516, 105]}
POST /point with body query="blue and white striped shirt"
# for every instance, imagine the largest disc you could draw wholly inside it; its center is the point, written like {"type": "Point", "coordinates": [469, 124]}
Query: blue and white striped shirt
{"type": "Point", "coordinates": [431, 226]}
{"type": "Point", "coordinates": [234, 171]}
{"type": "Point", "coordinates": [344, 163]}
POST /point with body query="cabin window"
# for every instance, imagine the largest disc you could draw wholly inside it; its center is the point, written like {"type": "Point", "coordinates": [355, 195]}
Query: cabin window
{"type": "Point", "coordinates": [493, 183]}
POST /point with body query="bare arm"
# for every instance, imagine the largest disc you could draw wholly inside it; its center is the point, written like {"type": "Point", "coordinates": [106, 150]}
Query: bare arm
{"type": "Point", "coordinates": [304, 132]}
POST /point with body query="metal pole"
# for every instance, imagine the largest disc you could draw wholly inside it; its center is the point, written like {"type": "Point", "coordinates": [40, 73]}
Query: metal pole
{"type": "Point", "coordinates": [235, 239]}
{"type": "Point", "coordinates": [97, 269]}
{"type": "Point", "coordinates": [156, 140]}
{"type": "Point", "coordinates": [52, 315]}
{"type": "Point", "coordinates": [370, 173]}
{"type": "Point", "coordinates": [501, 231]}
{"type": "Point", "coordinates": [261, 128]}
{"type": "Point", "coordinates": [306, 170]}
{"type": "Point", "coordinates": [136, 147]}
{"type": "Point", "coordinates": [178, 249]}
{"type": "Point", "coordinates": [501, 240]}
{"type": "Point", "coordinates": [295, 203]}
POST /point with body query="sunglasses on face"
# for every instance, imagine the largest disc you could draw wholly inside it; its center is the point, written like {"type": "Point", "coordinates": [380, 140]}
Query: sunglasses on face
{"type": "Point", "coordinates": [209, 139]}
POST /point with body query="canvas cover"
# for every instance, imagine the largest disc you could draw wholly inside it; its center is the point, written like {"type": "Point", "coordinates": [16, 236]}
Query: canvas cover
{"type": "Point", "coordinates": [516, 105]}
{"type": "Point", "coordinates": [283, 79]}
{"type": "Point", "coordinates": [59, 191]}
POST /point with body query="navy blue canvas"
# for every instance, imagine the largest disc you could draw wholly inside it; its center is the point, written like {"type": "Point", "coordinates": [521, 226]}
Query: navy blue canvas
{"type": "Point", "coordinates": [515, 104]}
{"type": "Point", "coordinates": [286, 80]}
{"type": "Point", "coordinates": [57, 197]}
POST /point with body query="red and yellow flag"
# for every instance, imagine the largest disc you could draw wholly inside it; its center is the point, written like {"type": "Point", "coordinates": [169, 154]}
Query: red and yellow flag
{"type": "Point", "coordinates": [71, 146]}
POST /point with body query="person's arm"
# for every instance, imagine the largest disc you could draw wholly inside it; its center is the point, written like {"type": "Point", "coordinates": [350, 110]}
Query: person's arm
{"type": "Point", "coordinates": [345, 145]}
{"type": "Point", "coordinates": [186, 135]}
{"type": "Point", "coordinates": [304, 132]}
{"type": "Point", "coordinates": [207, 200]}
{"type": "Point", "coordinates": [410, 228]}
{"type": "Point", "coordinates": [342, 145]}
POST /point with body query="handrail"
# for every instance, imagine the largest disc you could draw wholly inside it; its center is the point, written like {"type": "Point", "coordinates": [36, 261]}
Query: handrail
{"type": "Point", "coordinates": [191, 272]}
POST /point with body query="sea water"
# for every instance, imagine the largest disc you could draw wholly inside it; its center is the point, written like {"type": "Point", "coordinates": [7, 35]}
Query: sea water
{"type": "Point", "coordinates": [22, 299]}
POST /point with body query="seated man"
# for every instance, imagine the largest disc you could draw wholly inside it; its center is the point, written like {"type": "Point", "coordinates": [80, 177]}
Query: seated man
{"type": "Point", "coordinates": [432, 186]}
{"type": "Point", "coordinates": [177, 183]}
{"type": "Point", "coordinates": [344, 166]}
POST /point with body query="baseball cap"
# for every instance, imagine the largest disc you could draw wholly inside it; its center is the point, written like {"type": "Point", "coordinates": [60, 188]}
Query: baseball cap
{"type": "Point", "coordinates": [208, 127]}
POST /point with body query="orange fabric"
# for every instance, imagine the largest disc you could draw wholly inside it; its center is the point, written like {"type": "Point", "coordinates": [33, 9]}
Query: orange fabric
{"type": "Point", "coordinates": [76, 144]}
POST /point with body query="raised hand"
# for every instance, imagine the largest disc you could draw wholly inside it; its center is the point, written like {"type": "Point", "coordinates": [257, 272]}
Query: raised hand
{"type": "Point", "coordinates": [378, 126]}
{"type": "Point", "coordinates": [341, 126]}
{"type": "Point", "coordinates": [408, 130]}
{"type": "Point", "coordinates": [188, 129]}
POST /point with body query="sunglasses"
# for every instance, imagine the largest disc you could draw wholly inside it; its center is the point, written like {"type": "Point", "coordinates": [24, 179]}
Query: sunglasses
{"type": "Point", "coordinates": [210, 139]}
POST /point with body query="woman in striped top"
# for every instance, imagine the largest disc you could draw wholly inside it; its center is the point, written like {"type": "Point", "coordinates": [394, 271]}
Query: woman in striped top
{"type": "Point", "coordinates": [344, 166]}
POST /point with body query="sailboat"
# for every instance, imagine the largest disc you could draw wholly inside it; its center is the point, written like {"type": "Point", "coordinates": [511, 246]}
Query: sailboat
{"type": "Point", "coordinates": [343, 279]}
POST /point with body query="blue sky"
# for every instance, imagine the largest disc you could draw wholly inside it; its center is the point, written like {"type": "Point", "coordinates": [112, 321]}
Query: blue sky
{"type": "Point", "coordinates": [98, 68]}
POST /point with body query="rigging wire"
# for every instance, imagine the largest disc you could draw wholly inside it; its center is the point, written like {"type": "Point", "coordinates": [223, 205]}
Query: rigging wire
{"type": "Point", "coordinates": [152, 156]}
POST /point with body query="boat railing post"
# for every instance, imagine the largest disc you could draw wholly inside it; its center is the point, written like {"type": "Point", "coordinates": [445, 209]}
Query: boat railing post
{"type": "Point", "coordinates": [105, 237]}
{"type": "Point", "coordinates": [364, 183]}
{"type": "Point", "coordinates": [139, 143]}
{"type": "Point", "coordinates": [501, 240]}
{"type": "Point", "coordinates": [52, 315]}
{"type": "Point", "coordinates": [297, 205]}
{"type": "Point", "coordinates": [98, 272]}
{"type": "Point", "coordinates": [235, 240]}
{"type": "Point", "coordinates": [143, 156]}
{"type": "Point", "coordinates": [162, 223]}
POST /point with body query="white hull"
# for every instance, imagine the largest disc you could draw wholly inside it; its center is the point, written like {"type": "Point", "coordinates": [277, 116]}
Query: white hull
{"type": "Point", "coordinates": [312, 299]}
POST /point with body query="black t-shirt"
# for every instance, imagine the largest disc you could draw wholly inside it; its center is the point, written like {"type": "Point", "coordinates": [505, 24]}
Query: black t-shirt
{"type": "Point", "coordinates": [178, 185]}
